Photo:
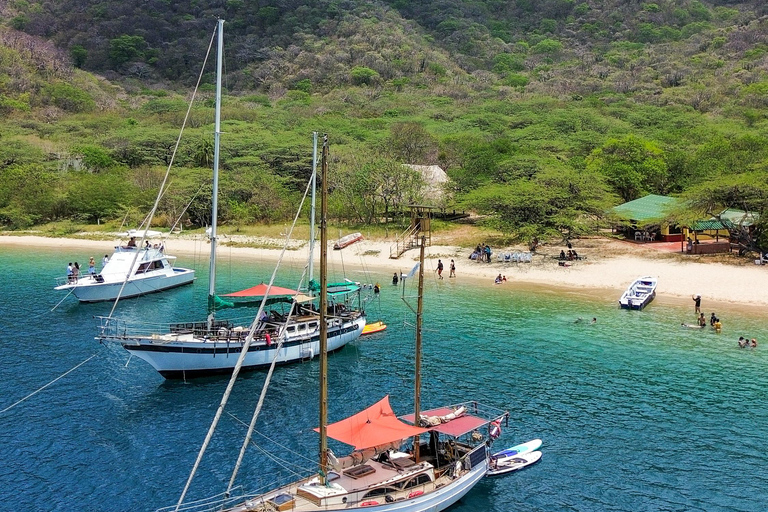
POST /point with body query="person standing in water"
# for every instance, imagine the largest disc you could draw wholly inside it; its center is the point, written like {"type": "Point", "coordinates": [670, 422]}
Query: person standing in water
{"type": "Point", "coordinates": [697, 303]}
{"type": "Point", "coordinates": [439, 269]}
{"type": "Point", "coordinates": [453, 270]}
{"type": "Point", "coordinates": [395, 279]}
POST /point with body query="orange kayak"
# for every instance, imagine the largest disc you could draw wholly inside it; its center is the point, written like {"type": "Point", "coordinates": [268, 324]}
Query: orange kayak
{"type": "Point", "coordinates": [374, 327]}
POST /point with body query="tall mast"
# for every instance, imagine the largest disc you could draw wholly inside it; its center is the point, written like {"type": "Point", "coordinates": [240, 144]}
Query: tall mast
{"type": "Point", "coordinates": [323, 309]}
{"type": "Point", "coordinates": [417, 356]}
{"type": "Point", "coordinates": [312, 209]}
{"type": "Point", "coordinates": [215, 192]}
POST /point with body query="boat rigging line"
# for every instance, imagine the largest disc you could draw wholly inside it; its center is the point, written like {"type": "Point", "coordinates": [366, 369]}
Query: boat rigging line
{"type": "Point", "coordinates": [43, 387]}
{"type": "Point", "coordinates": [165, 178]}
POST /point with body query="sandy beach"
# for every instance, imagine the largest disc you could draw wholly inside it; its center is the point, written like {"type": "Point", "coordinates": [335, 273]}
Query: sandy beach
{"type": "Point", "coordinates": [610, 265]}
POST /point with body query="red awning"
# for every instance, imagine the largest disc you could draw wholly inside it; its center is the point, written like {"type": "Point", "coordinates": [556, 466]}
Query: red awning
{"type": "Point", "coordinates": [454, 428]}
{"type": "Point", "coordinates": [260, 291]}
{"type": "Point", "coordinates": [375, 426]}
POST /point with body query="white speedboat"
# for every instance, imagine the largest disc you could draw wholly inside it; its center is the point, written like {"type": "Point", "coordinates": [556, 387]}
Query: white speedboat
{"type": "Point", "coordinates": [639, 294]}
{"type": "Point", "coordinates": [130, 272]}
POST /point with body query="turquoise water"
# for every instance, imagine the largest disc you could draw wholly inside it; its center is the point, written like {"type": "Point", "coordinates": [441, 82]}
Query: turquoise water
{"type": "Point", "coordinates": [636, 413]}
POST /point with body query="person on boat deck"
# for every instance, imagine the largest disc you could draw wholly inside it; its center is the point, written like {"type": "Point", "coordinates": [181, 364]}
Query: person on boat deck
{"type": "Point", "coordinates": [70, 272]}
{"type": "Point", "coordinates": [395, 279]}
{"type": "Point", "coordinates": [562, 255]}
{"type": "Point", "coordinates": [702, 321]}
{"type": "Point", "coordinates": [146, 244]}
{"type": "Point", "coordinates": [91, 266]}
{"type": "Point", "coordinates": [132, 242]}
{"type": "Point", "coordinates": [75, 272]}
{"type": "Point", "coordinates": [104, 261]}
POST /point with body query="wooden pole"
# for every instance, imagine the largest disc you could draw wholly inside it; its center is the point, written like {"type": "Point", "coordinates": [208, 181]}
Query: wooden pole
{"type": "Point", "coordinates": [417, 383]}
{"type": "Point", "coordinates": [323, 459]}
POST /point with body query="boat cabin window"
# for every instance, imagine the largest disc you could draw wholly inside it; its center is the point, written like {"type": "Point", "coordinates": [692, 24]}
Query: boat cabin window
{"type": "Point", "coordinates": [291, 329]}
{"type": "Point", "coordinates": [313, 325]}
{"type": "Point", "coordinates": [381, 491]}
{"type": "Point", "coordinates": [142, 268]}
{"type": "Point", "coordinates": [302, 327]}
{"type": "Point", "coordinates": [158, 264]}
{"type": "Point", "coordinates": [417, 480]}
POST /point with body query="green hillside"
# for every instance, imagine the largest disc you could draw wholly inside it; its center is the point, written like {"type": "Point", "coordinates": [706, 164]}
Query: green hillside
{"type": "Point", "coordinates": [543, 113]}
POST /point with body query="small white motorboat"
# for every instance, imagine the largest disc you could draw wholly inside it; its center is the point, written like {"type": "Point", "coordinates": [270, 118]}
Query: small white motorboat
{"type": "Point", "coordinates": [143, 270]}
{"type": "Point", "coordinates": [506, 465]}
{"type": "Point", "coordinates": [639, 294]}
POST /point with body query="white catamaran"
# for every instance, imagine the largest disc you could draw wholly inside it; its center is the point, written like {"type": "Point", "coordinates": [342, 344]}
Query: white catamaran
{"type": "Point", "coordinates": [212, 346]}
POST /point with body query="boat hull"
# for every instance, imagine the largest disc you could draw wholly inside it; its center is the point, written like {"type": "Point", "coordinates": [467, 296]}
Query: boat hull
{"type": "Point", "coordinates": [636, 304]}
{"type": "Point", "coordinates": [176, 360]}
{"type": "Point", "coordinates": [88, 289]}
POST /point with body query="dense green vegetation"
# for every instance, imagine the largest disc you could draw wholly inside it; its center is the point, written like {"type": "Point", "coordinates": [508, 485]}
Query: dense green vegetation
{"type": "Point", "coordinates": [544, 114]}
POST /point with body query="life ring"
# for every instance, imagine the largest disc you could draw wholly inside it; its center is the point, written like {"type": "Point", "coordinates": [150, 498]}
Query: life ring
{"type": "Point", "coordinates": [268, 338]}
{"type": "Point", "coordinates": [369, 503]}
{"type": "Point", "coordinates": [494, 429]}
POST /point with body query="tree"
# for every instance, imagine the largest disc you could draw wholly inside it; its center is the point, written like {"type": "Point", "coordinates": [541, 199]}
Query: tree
{"type": "Point", "coordinates": [633, 166]}
{"type": "Point", "coordinates": [411, 143]}
{"type": "Point", "coordinates": [126, 49]}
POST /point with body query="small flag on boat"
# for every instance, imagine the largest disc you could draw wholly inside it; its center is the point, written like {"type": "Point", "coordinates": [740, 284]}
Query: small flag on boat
{"type": "Point", "coordinates": [412, 272]}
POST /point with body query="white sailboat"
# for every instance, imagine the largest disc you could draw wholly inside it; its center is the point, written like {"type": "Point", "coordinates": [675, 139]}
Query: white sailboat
{"type": "Point", "coordinates": [190, 349]}
{"type": "Point", "coordinates": [422, 462]}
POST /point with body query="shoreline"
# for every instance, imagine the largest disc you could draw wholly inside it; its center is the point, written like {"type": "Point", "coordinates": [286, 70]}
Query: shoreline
{"type": "Point", "coordinates": [609, 268]}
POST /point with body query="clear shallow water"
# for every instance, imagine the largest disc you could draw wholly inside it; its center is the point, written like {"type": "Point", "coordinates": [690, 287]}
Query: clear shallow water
{"type": "Point", "coordinates": [636, 413]}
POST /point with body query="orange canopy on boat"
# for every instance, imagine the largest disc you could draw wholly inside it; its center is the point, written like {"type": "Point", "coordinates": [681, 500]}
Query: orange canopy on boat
{"type": "Point", "coordinates": [261, 290]}
{"type": "Point", "coordinates": [375, 426]}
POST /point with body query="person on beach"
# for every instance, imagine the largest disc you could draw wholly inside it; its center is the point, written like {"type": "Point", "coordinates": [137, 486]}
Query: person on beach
{"type": "Point", "coordinates": [697, 303]}
{"type": "Point", "coordinates": [439, 269]}
{"type": "Point", "coordinates": [498, 279]}
{"type": "Point", "coordinates": [395, 279]}
{"type": "Point", "coordinates": [453, 270]}
{"type": "Point", "coordinates": [702, 321]}
{"type": "Point", "coordinates": [488, 253]}
{"type": "Point", "coordinates": [562, 255]}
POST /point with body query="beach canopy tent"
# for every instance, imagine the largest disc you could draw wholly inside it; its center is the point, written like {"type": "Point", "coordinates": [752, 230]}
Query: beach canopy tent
{"type": "Point", "coordinates": [645, 211]}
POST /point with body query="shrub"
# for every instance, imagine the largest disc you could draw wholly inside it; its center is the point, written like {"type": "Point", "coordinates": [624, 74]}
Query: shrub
{"type": "Point", "coordinates": [67, 97]}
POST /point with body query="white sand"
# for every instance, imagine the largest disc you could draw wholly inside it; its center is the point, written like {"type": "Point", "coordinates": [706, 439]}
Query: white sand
{"type": "Point", "coordinates": [610, 266]}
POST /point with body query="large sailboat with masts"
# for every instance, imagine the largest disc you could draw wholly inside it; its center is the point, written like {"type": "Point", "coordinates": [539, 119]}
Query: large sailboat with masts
{"type": "Point", "coordinates": [286, 327]}
{"type": "Point", "coordinates": [425, 461]}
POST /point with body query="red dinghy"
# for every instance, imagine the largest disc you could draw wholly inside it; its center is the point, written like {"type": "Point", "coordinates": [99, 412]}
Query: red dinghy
{"type": "Point", "coordinates": [347, 240]}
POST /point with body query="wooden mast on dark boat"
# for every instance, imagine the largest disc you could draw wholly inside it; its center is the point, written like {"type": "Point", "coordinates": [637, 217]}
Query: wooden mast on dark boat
{"type": "Point", "coordinates": [323, 459]}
